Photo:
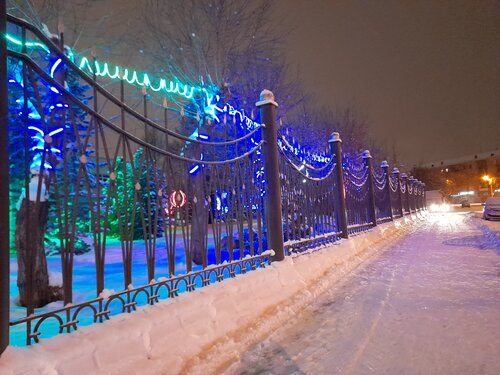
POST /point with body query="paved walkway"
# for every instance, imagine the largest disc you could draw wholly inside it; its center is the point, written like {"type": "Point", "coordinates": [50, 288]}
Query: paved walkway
{"type": "Point", "coordinates": [428, 305]}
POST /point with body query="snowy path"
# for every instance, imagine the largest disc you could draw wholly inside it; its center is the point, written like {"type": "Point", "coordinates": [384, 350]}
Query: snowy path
{"type": "Point", "coordinates": [428, 305]}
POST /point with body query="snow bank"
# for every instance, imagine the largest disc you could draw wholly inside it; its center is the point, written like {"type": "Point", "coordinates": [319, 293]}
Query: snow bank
{"type": "Point", "coordinates": [199, 332]}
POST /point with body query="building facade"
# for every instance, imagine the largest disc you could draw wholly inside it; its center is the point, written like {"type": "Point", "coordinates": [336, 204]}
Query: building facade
{"type": "Point", "coordinates": [470, 178]}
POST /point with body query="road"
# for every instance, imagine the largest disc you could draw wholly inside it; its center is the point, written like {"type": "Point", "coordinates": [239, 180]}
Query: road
{"type": "Point", "coordinates": [430, 304]}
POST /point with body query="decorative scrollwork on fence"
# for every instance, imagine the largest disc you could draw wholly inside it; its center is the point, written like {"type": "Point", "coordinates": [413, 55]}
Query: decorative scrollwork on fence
{"type": "Point", "coordinates": [308, 203]}
{"type": "Point", "coordinates": [357, 193]}
{"type": "Point", "coordinates": [99, 310]}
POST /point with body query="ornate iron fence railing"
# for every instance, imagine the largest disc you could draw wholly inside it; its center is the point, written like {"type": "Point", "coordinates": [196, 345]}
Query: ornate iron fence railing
{"type": "Point", "coordinates": [126, 211]}
{"type": "Point", "coordinates": [382, 194]}
{"type": "Point", "coordinates": [91, 183]}
{"type": "Point", "coordinates": [356, 179]}
{"type": "Point", "coordinates": [395, 193]}
{"type": "Point", "coordinates": [308, 200]}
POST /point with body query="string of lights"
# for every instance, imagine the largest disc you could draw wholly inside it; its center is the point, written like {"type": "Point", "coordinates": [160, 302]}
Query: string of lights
{"type": "Point", "coordinates": [380, 185]}
{"type": "Point", "coordinates": [170, 87]}
{"type": "Point", "coordinates": [308, 159]}
{"type": "Point", "coordinates": [306, 173]}
{"type": "Point", "coordinates": [379, 179]}
{"type": "Point", "coordinates": [402, 187]}
{"type": "Point", "coordinates": [393, 182]}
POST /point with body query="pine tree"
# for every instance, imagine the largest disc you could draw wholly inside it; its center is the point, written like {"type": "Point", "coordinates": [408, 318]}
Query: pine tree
{"type": "Point", "coordinates": [147, 220]}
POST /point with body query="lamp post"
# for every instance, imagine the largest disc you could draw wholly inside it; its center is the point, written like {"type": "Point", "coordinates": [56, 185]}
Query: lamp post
{"type": "Point", "coordinates": [489, 180]}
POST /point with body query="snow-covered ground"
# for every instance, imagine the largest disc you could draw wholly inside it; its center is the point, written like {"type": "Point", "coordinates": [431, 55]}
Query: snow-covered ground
{"type": "Point", "coordinates": [428, 305]}
{"type": "Point", "coordinates": [206, 330]}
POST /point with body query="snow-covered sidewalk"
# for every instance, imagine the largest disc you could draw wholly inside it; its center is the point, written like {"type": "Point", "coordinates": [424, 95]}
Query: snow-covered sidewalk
{"type": "Point", "coordinates": [430, 304]}
{"type": "Point", "coordinates": [199, 331]}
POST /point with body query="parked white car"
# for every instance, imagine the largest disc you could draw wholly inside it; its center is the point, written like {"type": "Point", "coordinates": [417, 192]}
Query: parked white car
{"type": "Point", "coordinates": [492, 208]}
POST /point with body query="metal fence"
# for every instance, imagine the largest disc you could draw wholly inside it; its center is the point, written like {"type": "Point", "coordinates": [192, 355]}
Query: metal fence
{"type": "Point", "coordinates": [161, 212]}
{"type": "Point", "coordinates": [308, 197]}
{"type": "Point", "coordinates": [359, 193]}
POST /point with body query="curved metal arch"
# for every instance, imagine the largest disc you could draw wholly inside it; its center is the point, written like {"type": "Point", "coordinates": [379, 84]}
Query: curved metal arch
{"type": "Point", "coordinates": [178, 282]}
{"type": "Point", "coordinates": [160, 286]}
{"type": "Point", "coordinates": [137, 292]}
{"type": "Point", "coordinates": [36, 333]}
{"type": "Point", "coordinates": [83, 307]}
{"type": "Point", "coordinates": [115, 297]}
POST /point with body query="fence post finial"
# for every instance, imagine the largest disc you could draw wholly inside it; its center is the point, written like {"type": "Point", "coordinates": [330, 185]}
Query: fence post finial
{"type": "Point", "coordinates": [266, 97]}
{"type": "Point", "coordinates": [272, 198]}
{"type": "Point", "coordinates": [340, 201]}
{"type": "Point", "coordinates": [334, 137]}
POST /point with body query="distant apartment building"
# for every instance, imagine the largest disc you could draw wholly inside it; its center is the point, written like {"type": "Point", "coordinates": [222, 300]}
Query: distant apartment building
{"type": "Point", "coordinates": [472, 177]}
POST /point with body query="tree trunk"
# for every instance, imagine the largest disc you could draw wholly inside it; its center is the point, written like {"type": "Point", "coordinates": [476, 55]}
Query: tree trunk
{"type": "Point", "coordinates": [32, 274]}
{"type": "Point", "coordinates": [199, 235]}
{"type": "Point", "coordinates": [199, 223]}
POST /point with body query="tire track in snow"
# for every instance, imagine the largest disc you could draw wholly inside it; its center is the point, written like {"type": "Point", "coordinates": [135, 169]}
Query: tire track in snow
{"type": "Point", "coordinates": [362, 347]}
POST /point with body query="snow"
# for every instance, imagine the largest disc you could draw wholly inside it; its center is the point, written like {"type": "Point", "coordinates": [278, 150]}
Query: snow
{"type": "Point", "coordinates": [55, 279]}
{"type": "Point", "coordinates": [106, 293]}
{"type": "Point", "coordinates": [84, 282]}
{"type": "Point", "coordinates": [429, 304]}
{"type": "Point", "coordinates": [182, 334]}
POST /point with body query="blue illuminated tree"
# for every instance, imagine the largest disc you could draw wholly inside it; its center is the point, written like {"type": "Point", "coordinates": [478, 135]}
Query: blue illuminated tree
{"type": "Point", "coordinates": [40, 120]}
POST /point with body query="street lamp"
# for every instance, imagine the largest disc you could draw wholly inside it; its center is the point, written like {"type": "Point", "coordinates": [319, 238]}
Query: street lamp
{"type": "Point", "coordinates": [489, 180]}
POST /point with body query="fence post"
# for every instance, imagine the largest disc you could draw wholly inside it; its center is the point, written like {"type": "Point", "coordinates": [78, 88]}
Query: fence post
{"type": "Point", "coordinates": [418, 205]}
{"type": "Point", "coordinates": [272, 199]}
{"type": "Point", "coordinates": [411, 198]}
{"type": "Point", "coordinates": [396, 175]}
{"type": "Point", "coordinates": [385, 169]}
{"type": "Point", "coordinates": [367, 158]}
{"type": "Point", "coordinates": [404, 178]}
{"type": "Point", "coordinates": [4, 185]}
{"type": "Point", "coordinates": [340, 206]}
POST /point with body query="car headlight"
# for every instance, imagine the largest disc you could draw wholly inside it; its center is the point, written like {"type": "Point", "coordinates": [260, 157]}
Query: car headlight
{"type": "Point", "coordinates": [444, 207]}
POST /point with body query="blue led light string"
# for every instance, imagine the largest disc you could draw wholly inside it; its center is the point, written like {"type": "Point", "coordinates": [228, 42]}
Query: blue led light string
{"type": "Point", "coordinates": [308, 159]}
{"type": "Point", "coordinates": [211, 106]}
{"type": "Point", "coordinates": [305, 172]}
{"type": "Point", "coordinates": [393, 181]}
{"type": "Point", "coordinates": [354, 164]}
{"type": "Point", "coordinates": [44, 76]}
{"type": "Point", "coordinates": [379, 179]}
{"type": "Point", "coordinates": [402, 186]}
{"type": "Point", "coordinates": [39, 138]}
{"type": "Point", "coordinates": [302, 160]}
{"type": "Point", "coordinates": [172, 88]}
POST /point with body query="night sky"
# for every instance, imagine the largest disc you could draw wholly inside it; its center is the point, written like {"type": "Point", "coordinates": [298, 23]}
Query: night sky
{"type": "Point", "coordinates": [425, 74]}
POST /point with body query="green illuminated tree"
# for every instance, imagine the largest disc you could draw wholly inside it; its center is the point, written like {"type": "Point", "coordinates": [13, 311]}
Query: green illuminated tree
{"type": "Point", "coordinates": [145, 213]}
